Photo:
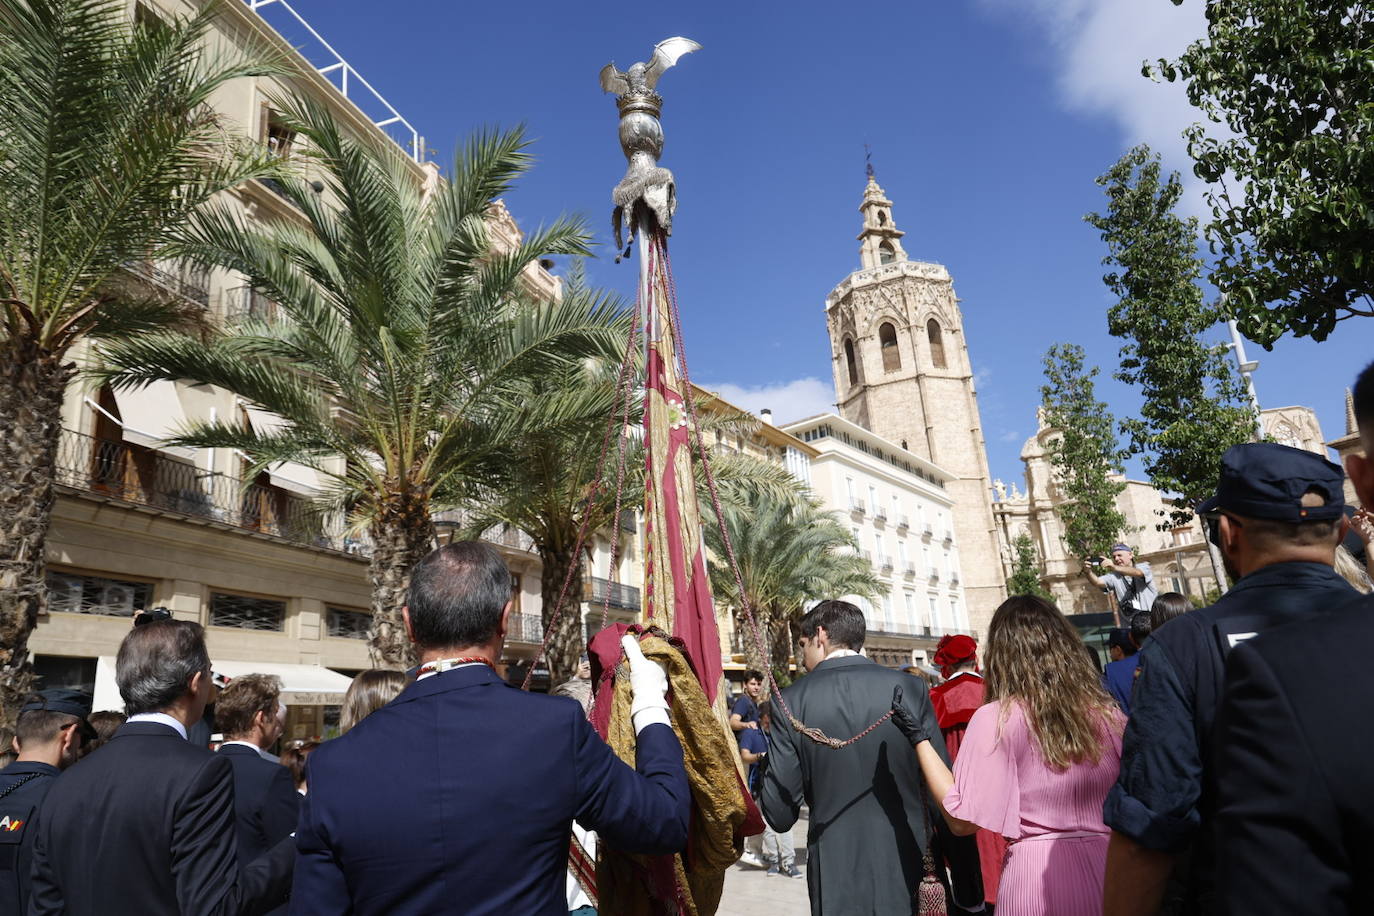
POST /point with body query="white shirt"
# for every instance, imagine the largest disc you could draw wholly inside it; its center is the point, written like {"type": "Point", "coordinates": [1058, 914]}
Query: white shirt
{"type": "Point", "coordinates": [839, 653]}
{"type": "Point", "coordinates": [261, 753]}
{"type": "Point", "coordinates": [161, 718]}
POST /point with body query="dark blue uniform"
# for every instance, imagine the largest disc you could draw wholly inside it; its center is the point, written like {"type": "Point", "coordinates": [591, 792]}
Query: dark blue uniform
{"type": "Point", "coordinates": [1166, 793]}
{"type": "Point", "coordinates": [23, 786]}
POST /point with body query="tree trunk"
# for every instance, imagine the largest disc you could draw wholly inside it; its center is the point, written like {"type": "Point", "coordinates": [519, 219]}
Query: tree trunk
{"type": "Point", "coordinates": [568, 640]}
{"type": "Point", "coordinates": [401, 537]}
{"type": "Point", "coordinates": [31, 389]}
{"type": "Point", "coordinates": [752, 658]}
{"type": "Point", "coordinates": [783, 630]}
{"type": "Point", "coordinates": [1218, 566]}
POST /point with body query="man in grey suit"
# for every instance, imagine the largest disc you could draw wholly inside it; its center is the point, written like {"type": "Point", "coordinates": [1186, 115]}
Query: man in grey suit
{"type": "Point", "coordinates": [867, 829]}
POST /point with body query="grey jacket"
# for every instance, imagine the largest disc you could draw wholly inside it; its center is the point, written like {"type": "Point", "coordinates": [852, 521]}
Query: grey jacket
{"type": "Point", "coordinates": [866, 826]}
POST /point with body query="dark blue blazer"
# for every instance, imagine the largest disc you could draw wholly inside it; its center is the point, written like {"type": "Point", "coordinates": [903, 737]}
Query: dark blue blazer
{"type": "Point", "coordinates": [145, 827]}
{"type": "Point", "coordinates": [459, 795]}
{"type": "Point", "coordinates": [266, 804]}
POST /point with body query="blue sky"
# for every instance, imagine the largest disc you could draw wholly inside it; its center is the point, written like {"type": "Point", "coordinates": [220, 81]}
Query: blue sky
{"type": "Point", "coordinates": [988, 121]}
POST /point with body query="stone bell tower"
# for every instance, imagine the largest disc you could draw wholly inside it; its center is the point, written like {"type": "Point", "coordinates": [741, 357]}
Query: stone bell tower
{"type": "Point", "coordinates": [902, 370]}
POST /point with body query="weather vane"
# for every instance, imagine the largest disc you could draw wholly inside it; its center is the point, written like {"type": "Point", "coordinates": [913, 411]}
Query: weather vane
{"type": "Point", "coordinates": [641, 139]}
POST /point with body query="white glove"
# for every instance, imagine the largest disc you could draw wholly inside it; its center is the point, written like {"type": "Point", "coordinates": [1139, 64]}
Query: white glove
{"type": "Point", "coordinates": [648, 684]}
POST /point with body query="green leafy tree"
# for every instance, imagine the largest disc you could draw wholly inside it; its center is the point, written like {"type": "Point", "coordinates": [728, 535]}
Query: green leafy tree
{"type": "Point", "coordinates": [790, 552]}
{"type": "Point", "coordinates": [1195, 406]}
{"type": "Point", "coordinates": [107, 143]}
{"type": "Point", "coordinates": [405, 344]}
{"type": "Point", "coordinates": [1292, 86]}
{"type": "Point", "coordinates": [1084, 453]}
{"type": "Point", "coordinates": [1025, 574]}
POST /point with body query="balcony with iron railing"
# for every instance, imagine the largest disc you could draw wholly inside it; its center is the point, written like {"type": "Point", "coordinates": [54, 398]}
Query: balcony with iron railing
{"type": "Point", "coordinates": [857, 506]}
{"type": "Point", "coordinates": [879, 514]}
{"type": "Point", "coordinates": [902, 628]}
{"type": "Point", "coordinates": [597, 591]}
{"type": "Point", "coordinates": [246, 303]}
{"type": "Point", "coordinates": [885, 563]}
{"type": "Point", "coordinates": [910, 570]}
{"type": "Point", "coordinates": [116, 470]}
{"type": "Point", "coordinates": [927, 529]}
{"type": "Point", "coordinates": [525, 628]}
{"type": "Point", "coordinates": [189, 288]}
{"type": "Point", "coordinates": [903, 523]}
{"type": "Point", "coordinates": [934, 574]}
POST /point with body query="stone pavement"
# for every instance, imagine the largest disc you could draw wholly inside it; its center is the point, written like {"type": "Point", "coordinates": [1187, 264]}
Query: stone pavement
{"type": "Point", "coordinates": [750, 892]}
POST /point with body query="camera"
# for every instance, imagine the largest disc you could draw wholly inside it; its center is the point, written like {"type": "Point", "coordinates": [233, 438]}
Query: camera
{"type": "Point", "coordinates": [1097, 561]}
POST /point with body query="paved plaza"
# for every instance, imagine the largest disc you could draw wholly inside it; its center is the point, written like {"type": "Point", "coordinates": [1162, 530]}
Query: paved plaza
{"type": "Point", "coordinates": [750, 892]}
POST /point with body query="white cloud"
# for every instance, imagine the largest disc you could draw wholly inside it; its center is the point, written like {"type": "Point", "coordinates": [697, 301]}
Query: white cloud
{"type": "Point", "coordinates": [803, 397]}
{"type": "Point", "coordinates": [1098, 49]}
{"type": "Point", "coordinates": [1010, 435]}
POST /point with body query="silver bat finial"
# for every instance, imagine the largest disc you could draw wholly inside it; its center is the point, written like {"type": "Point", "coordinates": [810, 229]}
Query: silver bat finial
{"type": "Point", "coordinates": [641, 138]}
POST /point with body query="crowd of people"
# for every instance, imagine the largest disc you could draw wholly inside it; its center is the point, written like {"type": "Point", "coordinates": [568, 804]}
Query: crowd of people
{"type": "Point", "coordinates": [1210, 767]}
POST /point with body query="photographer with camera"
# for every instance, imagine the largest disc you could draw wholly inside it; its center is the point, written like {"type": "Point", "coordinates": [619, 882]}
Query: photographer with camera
{"type": "Point", "coordinates": [1132, 583]}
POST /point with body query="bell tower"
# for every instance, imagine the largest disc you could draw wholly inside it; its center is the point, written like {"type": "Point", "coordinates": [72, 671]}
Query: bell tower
{"type": "Point", "coordinates": [901, 369]}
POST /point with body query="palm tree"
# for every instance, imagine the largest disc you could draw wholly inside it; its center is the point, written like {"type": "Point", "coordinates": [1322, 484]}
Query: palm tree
{"type": "Point", "coordinates": [108, 143]}
{"type": "Point", "coordinates": [405, 342]}
{"type": "Point", "coordinates": [790, 552]}
{"type": "Point", "coordinates": [547, 487]}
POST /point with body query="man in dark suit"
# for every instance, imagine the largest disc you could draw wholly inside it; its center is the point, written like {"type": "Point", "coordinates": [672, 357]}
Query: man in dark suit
{"type": "Point", "coordinates": [459, 795]}
{"type": "Point", "coordinates": [145, 826]}
{"type": "Point", "coordinates": [1295, 814]}
{"type": "Point", "coordinates": [867, 828]}
{"type": "Point", "coordinates": [266, 804]}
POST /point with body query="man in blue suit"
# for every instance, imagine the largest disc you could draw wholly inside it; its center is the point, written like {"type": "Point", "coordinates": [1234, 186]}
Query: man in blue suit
{"type": "Point", "coordinates": [459, 795]}
{"type": "Point", "coordinates": [266, 805]}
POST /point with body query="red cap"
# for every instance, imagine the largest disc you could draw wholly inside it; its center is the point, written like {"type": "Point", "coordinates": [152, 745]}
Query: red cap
{"type": "Point", "coordinates": [952, 650]}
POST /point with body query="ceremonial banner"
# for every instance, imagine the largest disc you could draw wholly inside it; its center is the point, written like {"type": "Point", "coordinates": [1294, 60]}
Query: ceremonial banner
{"type": "Point", "coordinates": [677, 591]}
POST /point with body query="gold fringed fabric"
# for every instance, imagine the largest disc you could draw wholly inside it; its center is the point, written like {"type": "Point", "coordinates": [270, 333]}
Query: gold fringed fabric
{"type": "Point", "coordinates": [626, 883]}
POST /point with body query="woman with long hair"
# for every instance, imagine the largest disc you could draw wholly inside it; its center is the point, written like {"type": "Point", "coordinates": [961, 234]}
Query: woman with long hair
{"type": "Point", "coordinates": [1036, 763]}
{"type": "Point", "coordinates": [370, 691]}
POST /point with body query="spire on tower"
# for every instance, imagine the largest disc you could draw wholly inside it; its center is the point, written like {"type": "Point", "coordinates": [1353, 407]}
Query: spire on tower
{"type": "Point", "coordinates": [868, 162]}
{"type": "Point", "coordinates": [880, 242]}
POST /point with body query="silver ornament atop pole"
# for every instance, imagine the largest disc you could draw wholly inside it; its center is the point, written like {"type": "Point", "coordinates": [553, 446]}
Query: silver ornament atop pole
{"type": "Point", "coordinates": [641, 138]}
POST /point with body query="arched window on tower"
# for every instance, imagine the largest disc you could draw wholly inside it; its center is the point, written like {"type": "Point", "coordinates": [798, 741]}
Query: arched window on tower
{"type": "Point", "coordinates": [882, 218]}
{"type": "Point", "coordinates": [937, 344]}
{"type": "Point", "coordinates": [849, 361]}
{"type": "Point", "coordinates": [887, 337]}
{"type": "Point", "coordinates": [886, 254]}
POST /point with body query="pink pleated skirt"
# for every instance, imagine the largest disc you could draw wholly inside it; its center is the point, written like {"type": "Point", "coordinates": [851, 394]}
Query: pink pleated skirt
{"type": "Point", "coordinates": [1054, 874]}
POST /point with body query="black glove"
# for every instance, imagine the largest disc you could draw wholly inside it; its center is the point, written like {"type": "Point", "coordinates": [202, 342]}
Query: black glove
{"type": "Point", "coordinates": [905, 721]}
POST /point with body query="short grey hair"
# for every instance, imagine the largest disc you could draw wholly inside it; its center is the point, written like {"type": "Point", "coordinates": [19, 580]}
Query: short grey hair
{"type": "Point", "coordinates": [156, 663]}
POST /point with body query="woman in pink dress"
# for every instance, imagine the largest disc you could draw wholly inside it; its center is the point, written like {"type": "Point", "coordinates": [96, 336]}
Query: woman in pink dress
{"type": "Point", "coordinates": [1036, 763]}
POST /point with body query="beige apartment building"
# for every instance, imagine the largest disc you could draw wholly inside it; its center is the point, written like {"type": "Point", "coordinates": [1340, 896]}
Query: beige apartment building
{"type": "Point", "coordinates": [279, 585]}
{"type": "Point", "coordinates": [900, 511]}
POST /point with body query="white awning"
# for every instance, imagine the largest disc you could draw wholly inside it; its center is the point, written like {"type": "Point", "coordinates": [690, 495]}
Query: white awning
{"type": "Point", "coordinates": [302, 685]}
{"type": "Point", "coordinates": [151, 414]}
{"type": "Point", "coordinates": [295, 478]}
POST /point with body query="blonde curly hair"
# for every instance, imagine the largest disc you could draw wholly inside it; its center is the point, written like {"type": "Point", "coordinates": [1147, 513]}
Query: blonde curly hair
{"type": "Point", "coordinates": [1035, 657]}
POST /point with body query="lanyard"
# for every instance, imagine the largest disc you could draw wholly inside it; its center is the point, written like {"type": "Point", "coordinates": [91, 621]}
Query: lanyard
{"type": "Point", "coordinates": [444, 664]}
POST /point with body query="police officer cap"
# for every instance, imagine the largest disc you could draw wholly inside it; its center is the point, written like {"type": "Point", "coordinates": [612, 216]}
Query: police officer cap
{"type": "Point", "coordinates": [60, 699]}
{"type": "Point", "coordinates": [1268, 480]}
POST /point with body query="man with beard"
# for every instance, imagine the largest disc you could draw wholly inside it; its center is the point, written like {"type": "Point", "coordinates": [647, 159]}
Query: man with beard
{"type": "Point", "coordinates": [1277, 517]}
